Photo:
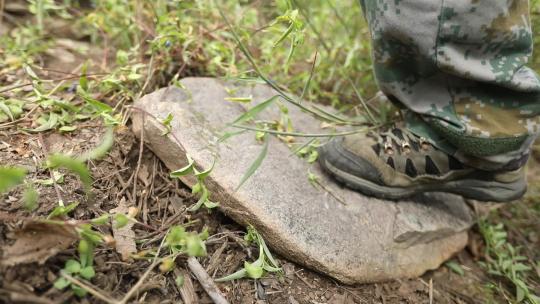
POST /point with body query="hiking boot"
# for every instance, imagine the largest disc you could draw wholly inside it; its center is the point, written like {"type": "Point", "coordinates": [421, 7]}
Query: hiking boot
{"type": "Point", "coordinates": [398, 164]}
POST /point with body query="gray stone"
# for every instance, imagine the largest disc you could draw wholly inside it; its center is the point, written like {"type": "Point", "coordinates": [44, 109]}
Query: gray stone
{"type": "Point", "coordinates": [363, 240]}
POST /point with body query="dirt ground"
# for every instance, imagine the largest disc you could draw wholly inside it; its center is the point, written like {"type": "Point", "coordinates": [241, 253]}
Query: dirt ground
{"type": "Point", "coordinates": [163, 203]}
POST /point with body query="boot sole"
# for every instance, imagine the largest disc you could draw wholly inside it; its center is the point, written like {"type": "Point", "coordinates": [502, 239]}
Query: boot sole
{"type": "Point", "coordinates": [480, 190]}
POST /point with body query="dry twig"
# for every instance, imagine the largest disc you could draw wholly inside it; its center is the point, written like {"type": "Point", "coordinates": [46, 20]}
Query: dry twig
{"type": "Point", "coordinates": [89, 289]}
{"type": "Point", "coordinates": [206, 281]}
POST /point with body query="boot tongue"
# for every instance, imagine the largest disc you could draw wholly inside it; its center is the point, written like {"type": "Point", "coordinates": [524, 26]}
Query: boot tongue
{"type": "Point", "coordinates": [398, 133]}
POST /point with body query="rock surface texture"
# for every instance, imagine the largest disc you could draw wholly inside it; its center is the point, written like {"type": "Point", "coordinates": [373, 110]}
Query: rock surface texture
{"type": "Point", "coordinates": [330, 229]}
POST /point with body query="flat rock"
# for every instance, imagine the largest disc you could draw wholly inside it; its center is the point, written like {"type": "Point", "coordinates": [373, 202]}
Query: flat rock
{"type": "Point", "coordinates": [330, 229]}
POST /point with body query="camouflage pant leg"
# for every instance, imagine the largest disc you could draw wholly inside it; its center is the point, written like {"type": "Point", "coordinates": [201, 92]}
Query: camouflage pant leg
{"type": "Point", "coordinates": [459, 66]}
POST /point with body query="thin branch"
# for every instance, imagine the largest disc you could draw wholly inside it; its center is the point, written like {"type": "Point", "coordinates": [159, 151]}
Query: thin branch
{"type": "Point", "coordinates": [141, 148]}
{"type": "Point", "coordinates": [206, 281]}
{"type": "Point", "coordinates": [88, 288]}
{"type": "Point", "coordinates": [296, 134]}
{"type": "Point", "coordinates": [137, 285]}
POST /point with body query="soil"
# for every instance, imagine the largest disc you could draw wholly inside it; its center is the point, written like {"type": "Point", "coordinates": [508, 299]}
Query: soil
{"type": "Point", "coordinates": [163, 203]}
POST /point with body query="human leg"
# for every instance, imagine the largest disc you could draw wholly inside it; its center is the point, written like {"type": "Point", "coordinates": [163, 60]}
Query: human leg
{"type": "Point", "coordinates": [458, 67]}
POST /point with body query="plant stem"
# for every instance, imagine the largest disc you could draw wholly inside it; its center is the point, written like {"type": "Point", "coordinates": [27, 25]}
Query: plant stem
{"type": "Point", "coordinates": [296, 134]}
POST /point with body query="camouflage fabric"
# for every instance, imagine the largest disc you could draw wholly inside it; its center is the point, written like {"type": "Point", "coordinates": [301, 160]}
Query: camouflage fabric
{"type": "Point", "coordinates": [459, 67]}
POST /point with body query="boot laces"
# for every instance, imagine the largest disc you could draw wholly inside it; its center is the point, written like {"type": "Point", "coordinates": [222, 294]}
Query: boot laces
{"type": "Point", "coordinates": [401, 141]}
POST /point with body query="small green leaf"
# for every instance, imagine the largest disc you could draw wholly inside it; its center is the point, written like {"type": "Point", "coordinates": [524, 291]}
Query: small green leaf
{"type": "Point", "coordinates": [7, 110]}
{"type": "Point", "coordinates": [58, 178]}
{"type": "Point", "coordinates": [520, 294]}
{"type": "Point", "coordinates": [256, 164]}
{"type": "Point", "coordinates": [198, 187]}
{"type": "Point", "coordinates": [176, 236]}
{"type": "Point", "coordinates": [284, 35]}
{"type": "Point", "coordinates": [255, 110]}
{"type": "Point", "coordinates": [83, 80]}
{"type": "Point", "coordinates": [455, 267]}
{"type": "Point", "coordinates": [254, 271]}
{"type": "Point", "coordinates": [62, 210]}
{"type": "Point", "coordinates": [121, 220]}
{"type": "Point", "coordinates": [85, 249]}
{"type": "Point", "coordinates": [313, 156]}
{"type": "Point", "coordinates": [90, 235]}
{"type": "Point", "coordinates": [203, 235]}
{"type": "Point", "coordinates": [72, 266]}
{"type": "Point", "coordinates": [518, 267]}
{"type": "Point", "coordinates": [201, 201]}
{"type": "Point", "coordinates": [122, 57]}
{"type": "Point", "coordinates": [30, 72]}
{"type": "Point", "coordinates": [78, 291]}
{"type": "Point", "coordinates": [61, 283]}
{"type": "Point", "coordinates": [49, 124]}
{"type": "Point", "coordinates": [240, 274]}
{"type": "Point", "coordinates": [102, 220]}
{"type": "Point", "coordinates": [210, 205]}
{"type": "Point", "coordinates": [312, 178]}
{"type": "Point", "coordinates": [240, 99]}
{"type": "Point", "coordinates": [202, 175]}
{"type": "Point", "coordinates": [228, 135]}
{"type": "Point", "coordinates": [185, 170]}
{"type": "Point", "coordinates": [67, 128]}
{"type": "Point", "coordinates": [195, 246]}
{"type": "Point", "coordinates": [88, 272]}
{"type": "Point", "coordinates": [167, 124]}
{"type": "Point", "coordinates": [134, 76]}
{"type": "Point", "coordinates": [98, 106]}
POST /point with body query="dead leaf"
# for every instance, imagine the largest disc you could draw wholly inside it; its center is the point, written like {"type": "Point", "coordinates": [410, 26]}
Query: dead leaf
{"type": "Point", "coordinates": [124, 236]}
{"type": "Point", "coordinates": [36, 242]}
{"type": "Point", "coordinates": [187, 291]}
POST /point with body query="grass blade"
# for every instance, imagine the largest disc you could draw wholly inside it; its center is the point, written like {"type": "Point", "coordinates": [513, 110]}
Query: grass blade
{"type": "Point", "coordinates": [256, 164]}
{"type": "Point", "coordinates": [255, 110]}
{"type": "Point", "coordinates": [240, 274]}
{"type": "Point", "coordinates": [297, 134]}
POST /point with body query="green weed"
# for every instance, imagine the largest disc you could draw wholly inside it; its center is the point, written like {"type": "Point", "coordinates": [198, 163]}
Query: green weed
{"type": "Point", "coordinates": [199, 187]}
{"type": "Point", "coordinates": [265, 263]}
{"type": "Point", "coordinates": [504, 260]}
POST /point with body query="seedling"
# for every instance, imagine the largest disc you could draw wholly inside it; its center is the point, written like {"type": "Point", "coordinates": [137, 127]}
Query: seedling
{"type": "Point", "coordinates": [82, 269]}
{"type": "Point", "coordinates": [309, 151]}
{"type": "Point", "coordinates": [199, 187]}
{"type": "Point", "coordinates": [166, 122]}
{"type": "Point", "coordinates": [181, 242]}
{"type": "Point", "coordinates": [264, 264]}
